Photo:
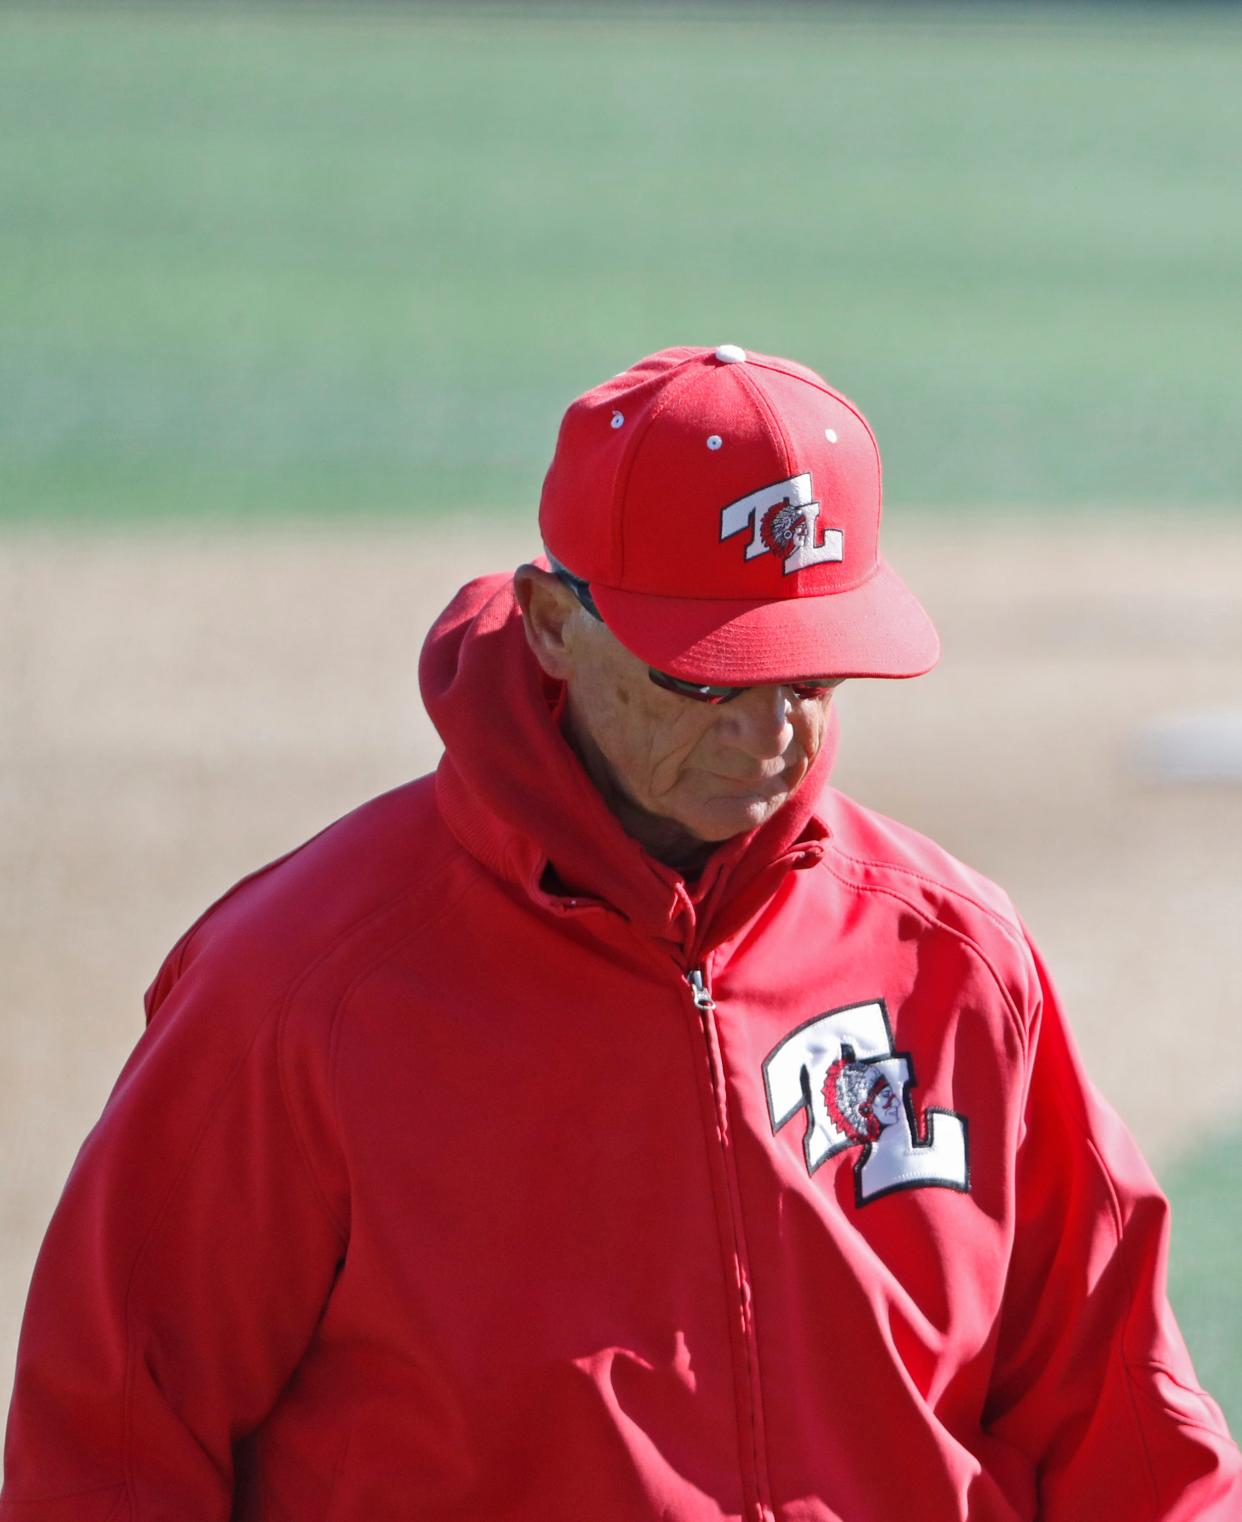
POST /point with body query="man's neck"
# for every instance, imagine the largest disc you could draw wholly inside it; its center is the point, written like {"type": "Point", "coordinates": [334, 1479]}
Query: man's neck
{"type": "Point", "coordinates": [665, 839]}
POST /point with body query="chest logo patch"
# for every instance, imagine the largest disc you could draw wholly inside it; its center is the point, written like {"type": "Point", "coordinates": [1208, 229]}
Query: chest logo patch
{"type": "Point", "coordinates": [840, 1069]}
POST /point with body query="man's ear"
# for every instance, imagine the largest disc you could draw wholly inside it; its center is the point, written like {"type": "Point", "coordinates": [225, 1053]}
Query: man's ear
{"type": "Point", "coordinates": [547, 607]}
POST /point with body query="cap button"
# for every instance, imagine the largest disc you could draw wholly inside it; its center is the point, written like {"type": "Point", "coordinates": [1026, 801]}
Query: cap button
{"type": "Point", "coordinates": [730, 354]}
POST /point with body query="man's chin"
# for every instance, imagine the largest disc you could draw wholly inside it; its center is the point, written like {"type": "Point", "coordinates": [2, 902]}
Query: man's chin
{"type": "Point", "coordinates": [722, 818]}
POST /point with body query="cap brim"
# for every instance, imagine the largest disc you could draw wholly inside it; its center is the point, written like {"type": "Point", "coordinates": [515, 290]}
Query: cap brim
{"type": "Point", "coordinates": [877, 629]}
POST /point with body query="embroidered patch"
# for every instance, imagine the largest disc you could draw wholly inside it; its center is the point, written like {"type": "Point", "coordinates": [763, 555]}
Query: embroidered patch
{"type": "Point", "coordinates": [856, 1091]}
{"type": "Point", "coordinates": [859, 1100]}
{"type": "Point", "coordinates": [783, 528]}
{"type": "Point", "coordinates": [783, 520]}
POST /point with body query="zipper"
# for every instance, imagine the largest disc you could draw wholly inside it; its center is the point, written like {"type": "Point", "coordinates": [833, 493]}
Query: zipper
{"type": "Point", "coordinates": [750, 1418]}
{"type": "Point", "coordinates": [698, 986]}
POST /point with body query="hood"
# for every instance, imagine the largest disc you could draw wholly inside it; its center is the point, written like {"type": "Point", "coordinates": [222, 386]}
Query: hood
{"type": "Point", "coordinates": [514, 793]}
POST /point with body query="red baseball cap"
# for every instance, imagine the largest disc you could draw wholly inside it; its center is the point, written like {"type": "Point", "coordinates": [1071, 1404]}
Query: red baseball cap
{"type": "Point", "coordinates": [724, 507]}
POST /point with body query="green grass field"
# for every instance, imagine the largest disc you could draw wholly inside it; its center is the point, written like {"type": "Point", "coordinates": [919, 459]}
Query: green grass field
{"type": "Point", "coordinates": [1205, 1266]}
{"type": "Point", "coordinates": [270, 261]}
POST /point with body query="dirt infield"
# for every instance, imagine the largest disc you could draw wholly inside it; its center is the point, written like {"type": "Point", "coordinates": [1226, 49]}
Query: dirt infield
{"type": "Point", "coordinates": [175, 709]}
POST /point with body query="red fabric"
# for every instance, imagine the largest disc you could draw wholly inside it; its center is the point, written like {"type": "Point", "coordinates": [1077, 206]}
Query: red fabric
{"type": "Point", "coordinates": [635, 501]}
{"type": "Point", "coordinates": [876, 629]}
{"type": "Point", "coordinates": [429, 1191]}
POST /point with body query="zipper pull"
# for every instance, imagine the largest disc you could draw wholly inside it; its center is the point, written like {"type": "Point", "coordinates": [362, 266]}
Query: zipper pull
{"type": "Point", "coordinates": [698, 986]}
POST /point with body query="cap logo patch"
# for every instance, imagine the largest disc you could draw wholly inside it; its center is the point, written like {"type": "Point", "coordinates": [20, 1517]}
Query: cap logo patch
{"type": "Point", "coordinates": [783, 519]}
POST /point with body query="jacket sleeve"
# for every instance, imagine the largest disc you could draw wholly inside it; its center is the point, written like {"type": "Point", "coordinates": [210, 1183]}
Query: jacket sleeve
{"type": "Point", "coordinates": [1093, 1381]}
{"type": "Point", "coordinates": [185, 1268]}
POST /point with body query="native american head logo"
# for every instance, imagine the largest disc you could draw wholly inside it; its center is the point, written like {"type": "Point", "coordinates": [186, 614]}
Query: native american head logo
{"type": "Point", "coordinates": [784, 528]}
{"type": "Point", "coordinates": [859, 1099]}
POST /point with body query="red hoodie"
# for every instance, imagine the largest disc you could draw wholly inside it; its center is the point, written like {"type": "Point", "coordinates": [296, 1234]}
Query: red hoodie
{"type": "Point", "coordinates": [474, 1165]}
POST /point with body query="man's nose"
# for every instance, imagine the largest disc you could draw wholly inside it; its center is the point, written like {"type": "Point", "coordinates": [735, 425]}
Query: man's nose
{"type": "Point", "coordinates": [758, 722]}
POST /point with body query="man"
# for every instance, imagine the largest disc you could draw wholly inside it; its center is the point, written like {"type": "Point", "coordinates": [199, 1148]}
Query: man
{"type": "Point", "coordinates": [620, 1123]}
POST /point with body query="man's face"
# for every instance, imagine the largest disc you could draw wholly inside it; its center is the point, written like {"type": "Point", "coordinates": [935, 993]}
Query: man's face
{"type": "Point", "coordinates": [706, 771]}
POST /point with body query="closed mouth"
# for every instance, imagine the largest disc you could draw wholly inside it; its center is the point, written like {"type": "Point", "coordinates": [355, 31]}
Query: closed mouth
{"type": "Point", "coordinates": [763, 786]}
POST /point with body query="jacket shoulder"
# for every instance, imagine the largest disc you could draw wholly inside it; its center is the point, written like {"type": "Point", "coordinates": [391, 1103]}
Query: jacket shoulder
{"type": "Point", "coordinates": [875, 848]}
{"type": "Point", "coordinates": [883, 856]}
{"type": "Point", "coordinates": [358, 882]}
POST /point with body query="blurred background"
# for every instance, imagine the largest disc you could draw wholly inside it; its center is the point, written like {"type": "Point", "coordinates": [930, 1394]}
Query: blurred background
{"type": "Point", "coordinates": [292, 298]}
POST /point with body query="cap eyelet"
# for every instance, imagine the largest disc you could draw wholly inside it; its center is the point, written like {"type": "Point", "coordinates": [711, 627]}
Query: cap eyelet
{"type": "Point", "coordinates": [714, 441]}
{"type": "Point", "coordinates": [831, 435]}
{"type": "Point", "coordinates": [618, 420]}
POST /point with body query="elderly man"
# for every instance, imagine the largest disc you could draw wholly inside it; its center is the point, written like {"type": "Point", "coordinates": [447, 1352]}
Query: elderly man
{"type": "Point", "coordinates": [620, 1123]}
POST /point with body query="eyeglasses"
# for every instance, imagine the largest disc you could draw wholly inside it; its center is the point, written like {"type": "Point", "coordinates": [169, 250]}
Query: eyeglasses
{"type": "Point", "coordinates": [698, 692]}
